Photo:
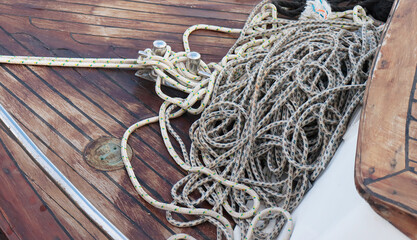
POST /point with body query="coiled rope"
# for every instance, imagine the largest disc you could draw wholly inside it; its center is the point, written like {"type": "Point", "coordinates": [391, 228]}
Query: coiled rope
{"type": "Point", "coordinates": [280, 104]}
{"type": "Point", "coordinates": [280, 101]}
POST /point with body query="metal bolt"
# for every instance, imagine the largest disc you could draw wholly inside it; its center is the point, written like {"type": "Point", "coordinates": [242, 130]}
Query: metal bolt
{"type": "Point", "coordinates": [193, 61]}
{"type": "Point", "coordinates": [159, 47]}
{"type": "Point", "coordinates": [204, 74]}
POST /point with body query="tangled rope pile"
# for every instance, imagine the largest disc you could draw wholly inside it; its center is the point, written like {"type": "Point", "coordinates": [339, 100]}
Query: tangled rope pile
{"type": "Point", "coordinates": [278, 115]}
{"type": "Point", "coordinates": [281, 101]}
{"type": "Point", "coordinates": [274, 111]}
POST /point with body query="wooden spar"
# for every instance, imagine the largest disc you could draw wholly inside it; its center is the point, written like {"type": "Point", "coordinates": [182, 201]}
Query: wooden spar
{"type": "Point", "coordinates": [386, 155]}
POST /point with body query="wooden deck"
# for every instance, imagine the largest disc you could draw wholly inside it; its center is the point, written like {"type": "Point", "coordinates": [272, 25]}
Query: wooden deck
{"type": "Point", "coordinates": [64, 109]}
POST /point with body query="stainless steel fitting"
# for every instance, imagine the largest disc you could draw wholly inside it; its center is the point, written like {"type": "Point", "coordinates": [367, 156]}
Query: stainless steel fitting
{"type": "Point", "coordinates": [159, 47]}
{"type": "Point", "coordinates": [193, 62]}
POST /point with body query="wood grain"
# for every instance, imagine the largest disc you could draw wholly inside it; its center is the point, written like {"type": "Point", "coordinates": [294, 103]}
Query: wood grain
{"type": "Point", "coordinates": [385, 164]}
{"type": "Point", "coordinates": [63, 109]}
{"type": "Point", "coordinates": [23, 204]}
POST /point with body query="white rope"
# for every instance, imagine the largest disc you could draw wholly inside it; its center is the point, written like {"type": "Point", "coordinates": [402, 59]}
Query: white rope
{"type": "Point", "coordinates": [265, 63]}
{"type": "Point", "coordinates": [248, 47]}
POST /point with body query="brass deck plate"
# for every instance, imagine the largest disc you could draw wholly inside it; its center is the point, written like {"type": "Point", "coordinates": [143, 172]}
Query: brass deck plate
{"type": "Point", "coordinates": [104, 154]}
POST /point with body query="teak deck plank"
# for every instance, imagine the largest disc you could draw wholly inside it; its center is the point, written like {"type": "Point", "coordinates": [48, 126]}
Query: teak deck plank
{"type": "Point", "coordinates": [23, 204]}
{"type": "Point", "coordinates": [63, 109]}
{"type": "Point", "coordinates": [385, 171]}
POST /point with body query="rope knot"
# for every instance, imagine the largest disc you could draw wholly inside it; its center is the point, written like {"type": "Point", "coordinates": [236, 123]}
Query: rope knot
{"type": "Point", "coordinates": [316, 9]}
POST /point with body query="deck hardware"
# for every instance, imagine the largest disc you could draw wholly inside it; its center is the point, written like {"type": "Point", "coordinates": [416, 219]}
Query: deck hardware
{"type": "Point", "coordinates": [204, 74]}
{"type": "Point", "coordinates": [104, 154]}
{"type": "Point", "coordinates": [193, 61]}
{"type": "Point", "coordinates": [159, 47]}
